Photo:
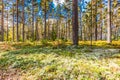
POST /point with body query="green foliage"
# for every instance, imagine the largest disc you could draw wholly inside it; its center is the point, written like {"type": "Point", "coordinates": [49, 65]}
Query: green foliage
{"type": "Point", "coordinates": [53, 35]}
{"type": "Point", "coordinates": [36, 61]}
{"type": "Point", "coordinates": [45, 42]}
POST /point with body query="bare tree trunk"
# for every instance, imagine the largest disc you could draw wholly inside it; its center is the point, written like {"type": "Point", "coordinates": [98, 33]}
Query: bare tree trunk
{"type": "Point", "coordinates": [2, 22]}
{"type": "Point", "coordinates": [7, 26]}
{"type": "Point", "coordinates": [69, 29]}
{"type": "Point", "coordinates": [80, 25]}
{"type": "Point", "coordinates": [66, 29]}
{"type": "Point", "coordinates": [109, 40]}
{"type": "Point", "coordinates": [91, 24]}
{"type": "Point", "coordinates": [37, 34]}
{"type": "Point", "coordinates": [101, 25]}
{"type": "Point", "coordinates": [17, 30]}
{"type": "Point", "coordinates": [23, 27]}
{"type": "Point", "coordinates": [101, 33]}
{"type": "Point", "coordinates": [49, 28]}
{"type": "Point", "coordinates": [75, 22]}
{"type": "Point", "coordinates": [33, 20]}
{"type": "Point", "coordinates": [57, 30]}
{"type": "Point", "coordinates": [96, 32]}
{"type": "Point", "coordinates": [13, 24]}
{"type": "Point", "coordinates": [45, 21]}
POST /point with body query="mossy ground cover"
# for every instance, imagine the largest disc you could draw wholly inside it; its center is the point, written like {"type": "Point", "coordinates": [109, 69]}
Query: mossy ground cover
{"type": "Point", "coordinates": [60, 61]}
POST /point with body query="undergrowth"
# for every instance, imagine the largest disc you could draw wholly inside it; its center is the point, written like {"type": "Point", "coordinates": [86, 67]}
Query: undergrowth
{"type": "Point", "coordinates": [61, 61]}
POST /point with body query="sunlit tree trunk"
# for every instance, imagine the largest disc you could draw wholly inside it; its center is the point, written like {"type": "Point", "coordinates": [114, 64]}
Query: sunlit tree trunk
{"type": "Point", "coordinates": [33, 20]}
{"type": "Point", "coordinates": [23, 27]}
{"type": "Point", "coordinates": [69, 29]}
{"type": "Point", "coordinates": [96, 27]}
{"type": "Point", "coordinates": [17, 30]}
{"type": "Point", "coordinates": [2, 22]}
{"type": "Point", "coordinates": [101, 25]}
{"type": "Point", "coordinates": [49, 28]}
{"type": "Point", "coordinates": [57, 29]}
{"type": "Point", "coordinates": [45, 21]}
{"type": "Point", "coordinates": [80, 24]}
{"type": "Point", "coordinates": [7, 26]}
{"type": "Point", "coordinates": [13, 25]}
{"type": "Point", "coordinates": [92, 20]}
{"type": "Point", "coordinates": [36, 31]}
{"type": "Point", "coordinates": [109, 40]}
{"type": "Point", "coordinates": [66, 29]}
{"type": "Point", "coordinates": [75, 22]}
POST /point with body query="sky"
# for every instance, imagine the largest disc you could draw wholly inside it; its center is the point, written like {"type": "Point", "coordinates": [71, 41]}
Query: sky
{"type": "Point", "coordinates": [62, 1]}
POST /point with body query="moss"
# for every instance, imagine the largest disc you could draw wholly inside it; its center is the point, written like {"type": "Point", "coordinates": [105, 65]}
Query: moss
{"type": "Point", "coordinates": [35, 61]}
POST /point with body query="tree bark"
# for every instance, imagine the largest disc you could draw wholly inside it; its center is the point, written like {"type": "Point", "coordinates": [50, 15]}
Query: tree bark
{"type": "Point", "coordinates": [33, 20]}
{"type": "Point", "coordinates": [13, 24]}
{"type": "Point", "coordinates": [37, 34]}
{"type": "Point", "coordinates": [17, 30]}
{"type": "Point", "coordinates": [75, 22]}
{"type": "Point", "coordinates": [7, 26]}
{"type": "Point", "coordinates": [96, 27]}
{"type": "Point", "coordinates": [23, 27]}
{"type": "Point", "coordinates": [2, 22]}
{"type": "Point", "coordinates": [109, 40]}
{"type": "Point", "coordinates": [45, 21]}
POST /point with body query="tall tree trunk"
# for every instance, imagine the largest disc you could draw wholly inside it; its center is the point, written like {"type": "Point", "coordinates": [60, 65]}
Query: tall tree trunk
{"type": "Point", "coordinates": [45, 21]}
{"type": "Point", "coordinates": [57, 29]}
{"type": "Point", "coordinates": [91, 24]}
{"type": "Point", "coordinates": [109, 40]}
{"type": "Point", "coordinates": [33, 20]}
{"type": "Point", "coordinates": [101, 25]}
{"type": "Point", "coordinates": [96, 32]}
{"type": "Point", "coordinates": [23, 27]}
{"type": "Point", "coordinates": [2, 22]}
{"type": "Point", "coordinates": [101, 33]}
{"type": "Point", "coordinates": [80, 25]}
{"type": "Point", "coordinates": [7, 26]}
{"type": "Point", "coordinates": [75, 22]}
{"type": "Point", "coordinates": [37, 34]}
{"type": "Point", "coordinates": [69, 29]}
{"type": "Point", "coordinates": [66, 29]}
{"type": "Point", "coordinates": [49, 28]}
{"type": "Point", "coordinates": [17, 30]}
{"type": "Point", "coordinates": [13, 24]}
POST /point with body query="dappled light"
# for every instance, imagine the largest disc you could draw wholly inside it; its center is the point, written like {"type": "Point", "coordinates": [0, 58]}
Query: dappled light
{"type": "Point", "coordinates": [59, 40]}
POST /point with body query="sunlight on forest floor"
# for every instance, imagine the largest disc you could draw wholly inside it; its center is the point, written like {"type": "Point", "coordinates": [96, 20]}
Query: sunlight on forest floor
{"type": "Point", "coordinates": [60, 61]}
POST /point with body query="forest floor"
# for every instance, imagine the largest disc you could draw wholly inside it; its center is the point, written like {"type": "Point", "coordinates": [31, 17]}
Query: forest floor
{"type": "Point", "coordinates": [59, 60]}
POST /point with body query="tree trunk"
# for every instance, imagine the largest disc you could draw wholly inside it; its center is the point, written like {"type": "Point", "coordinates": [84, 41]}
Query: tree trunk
{"type": "Point", "coordinates": [17, 30]}
{"type": "Point", "coordinates": [33, 20]}
{"type": "Point", "coordinates": [69, 29]}
{"type": "Point", "coordinates": [109, 23]}
{"type": "Point", "coordinates": [49, 28]}
{"type": "Point", "coordinates": [2, 22]}
{"type": "Point", "coordinates": [101, 33]}
{"type": "Point", "coordinates": [91, 25]}
{"type": "Point", "coordinates": [7, 26]}
{"type": "Point", "coordinates": [80, 25]}
{"type": "Point", "coordinates": [13, 24]}
{"type": "Point", "coordinates": [66, 29]}
{"type": "Point", "coordinates": [101, 25]}
{"type": "Point", "coordinates": [37, 34]}
{"type": "Point", "coordinates": [45, 21]}
{"type": "Point", "coordinates": [75, 22]}
{"type": "Point", "coordinates": [96, 32]}
{"type": "Point", "coordinates": [23, 27]}
{"type": "Point", "coordinates": [57, 29]}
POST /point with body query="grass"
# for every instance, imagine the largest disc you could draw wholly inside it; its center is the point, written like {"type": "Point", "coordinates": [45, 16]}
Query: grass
{"type": "Point", "coordinates": [60, 61]}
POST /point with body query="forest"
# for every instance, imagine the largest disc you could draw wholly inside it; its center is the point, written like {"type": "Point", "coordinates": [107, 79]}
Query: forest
{"type": "Point", "coordinates": [59, 40]}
